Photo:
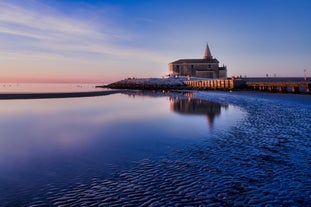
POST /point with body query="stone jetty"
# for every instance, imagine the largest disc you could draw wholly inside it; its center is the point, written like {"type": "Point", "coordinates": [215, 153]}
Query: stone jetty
{"type": "Point", "coordinates": [179, 83]}
{"type": "Point", "coordinates": [282, 85]}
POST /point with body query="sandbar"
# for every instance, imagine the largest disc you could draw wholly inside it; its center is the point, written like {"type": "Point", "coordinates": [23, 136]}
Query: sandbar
{"type": "Point", "coordinates": [8, 96]}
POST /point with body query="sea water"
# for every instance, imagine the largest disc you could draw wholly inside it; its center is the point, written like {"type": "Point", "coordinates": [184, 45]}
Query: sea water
{"type": "Point", "coordinates": [46, 87]}
{"type": "Point", "coordinates": [154, 148]}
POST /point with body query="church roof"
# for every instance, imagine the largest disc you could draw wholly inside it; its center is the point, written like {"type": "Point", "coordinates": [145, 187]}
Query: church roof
{"type": "Point", "coordinates": [207, 58]}
{"type": "Point", "coordinates": [181, 61]}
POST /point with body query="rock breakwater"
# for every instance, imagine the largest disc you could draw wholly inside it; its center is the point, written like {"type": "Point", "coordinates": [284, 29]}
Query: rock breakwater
{"type": "Point", "coordinates": [148, 84]}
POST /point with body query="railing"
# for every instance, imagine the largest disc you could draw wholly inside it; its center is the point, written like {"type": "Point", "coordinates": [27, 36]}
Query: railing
{"type": "Point", "coordinates": [295, 87]}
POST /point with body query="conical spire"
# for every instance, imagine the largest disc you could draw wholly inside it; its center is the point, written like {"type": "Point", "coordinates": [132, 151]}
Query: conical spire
{"type": "Point", "coordinates": [207, 53]}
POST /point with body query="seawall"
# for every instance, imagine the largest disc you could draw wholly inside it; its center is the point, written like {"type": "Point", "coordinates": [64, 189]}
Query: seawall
{"type": "Point", "coordinates": [177, 84]}
{"type": "Point", "coordinates": [268, 84]}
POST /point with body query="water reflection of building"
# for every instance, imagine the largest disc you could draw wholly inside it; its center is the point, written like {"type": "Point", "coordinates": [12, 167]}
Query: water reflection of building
{"type": "Point", "coordinates": [196, 106]}
{"type": "Point", "coordinates": [185, 103]}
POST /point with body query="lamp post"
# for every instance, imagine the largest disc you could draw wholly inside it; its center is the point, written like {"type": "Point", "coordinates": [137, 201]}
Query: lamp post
{"type": "Point", "coordinates": [307, 84]}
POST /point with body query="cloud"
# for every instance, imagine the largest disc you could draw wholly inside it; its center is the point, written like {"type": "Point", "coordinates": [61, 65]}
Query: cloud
{"type": "Point", "coordinates": [39, 23]}
{"type": "Point", "coordinates": [41, 29]}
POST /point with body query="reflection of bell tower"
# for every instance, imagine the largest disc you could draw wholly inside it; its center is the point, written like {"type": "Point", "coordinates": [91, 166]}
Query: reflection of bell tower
{"type": "Point", "coordinates": [210, 119]}
{"type": "Point", "coordinates": [196, 106]}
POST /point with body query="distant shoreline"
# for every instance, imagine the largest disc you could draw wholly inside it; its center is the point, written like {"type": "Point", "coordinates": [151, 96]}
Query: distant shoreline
{"type": "Point", "coordinates": [10, 96]}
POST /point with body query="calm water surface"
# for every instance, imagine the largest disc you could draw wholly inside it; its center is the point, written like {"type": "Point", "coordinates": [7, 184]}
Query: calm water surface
{"type": "Point", "coordinates": [52, 144]}
{"type": "Point", "coordinates": [45, 87]}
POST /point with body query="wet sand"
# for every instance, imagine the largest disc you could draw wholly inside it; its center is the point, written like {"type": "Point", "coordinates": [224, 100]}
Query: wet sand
{"type": "Point", "coordinates": [262, 161]}
{"type": "Point", "coordinates": [8, 96]}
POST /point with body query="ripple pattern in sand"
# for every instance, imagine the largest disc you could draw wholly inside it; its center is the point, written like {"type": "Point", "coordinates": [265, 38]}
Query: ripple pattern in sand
{"type": "Point", "coordinates": [264, 160]}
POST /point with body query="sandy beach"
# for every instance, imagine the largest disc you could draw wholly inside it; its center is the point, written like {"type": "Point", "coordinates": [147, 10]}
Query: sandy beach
{"type": "Point", "coordinates": [8, 96]}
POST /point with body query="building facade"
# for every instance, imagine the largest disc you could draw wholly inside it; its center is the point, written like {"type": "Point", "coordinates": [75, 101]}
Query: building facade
{"type": "Point", "coordinates": [208, 67]}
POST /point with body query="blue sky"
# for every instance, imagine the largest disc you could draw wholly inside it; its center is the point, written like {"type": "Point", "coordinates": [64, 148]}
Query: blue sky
{"type": "Point", "coordinates": [103, 41]}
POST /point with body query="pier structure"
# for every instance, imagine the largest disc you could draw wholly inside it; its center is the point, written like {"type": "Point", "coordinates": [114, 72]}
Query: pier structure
{"type": "Point", "coordinates": [277, 85]}
{"type": "Point", "coordinates": [282, 87]}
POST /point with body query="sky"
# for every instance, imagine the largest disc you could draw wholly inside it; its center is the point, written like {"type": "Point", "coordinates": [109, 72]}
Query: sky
{"type": "Point", "coordinates": [101, 41]}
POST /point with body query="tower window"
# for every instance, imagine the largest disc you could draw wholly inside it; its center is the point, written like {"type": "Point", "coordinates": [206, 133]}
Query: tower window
{"type": "Point", "coordinates": [209, 66]}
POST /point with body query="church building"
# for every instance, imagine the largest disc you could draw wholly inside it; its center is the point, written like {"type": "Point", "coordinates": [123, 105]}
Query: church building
{"type": "Point", "coordinates": [208, 67]}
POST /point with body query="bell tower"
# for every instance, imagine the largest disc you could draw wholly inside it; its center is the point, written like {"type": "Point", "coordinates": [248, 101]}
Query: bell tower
{"type": "Point", "coordinates": [207, 53]}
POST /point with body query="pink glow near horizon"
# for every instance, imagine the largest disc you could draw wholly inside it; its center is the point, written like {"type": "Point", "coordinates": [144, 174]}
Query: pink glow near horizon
{"type": "Point", "coordinates": [52, 80]}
